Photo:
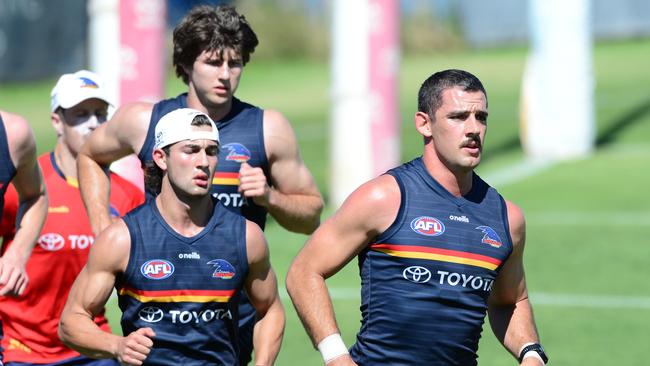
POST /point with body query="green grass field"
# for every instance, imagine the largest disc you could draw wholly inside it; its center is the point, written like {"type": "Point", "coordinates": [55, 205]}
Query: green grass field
{"type": "Point", "coordinates": [588, 219]}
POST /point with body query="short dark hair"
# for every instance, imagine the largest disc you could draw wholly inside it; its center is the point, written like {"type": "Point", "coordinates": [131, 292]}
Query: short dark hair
{"type": "Point", "coordinates": [430, 94]}
{"type": "Point", "coordinates": [211, 28]}
{"type": "Point", "coordinates": [153, 174]}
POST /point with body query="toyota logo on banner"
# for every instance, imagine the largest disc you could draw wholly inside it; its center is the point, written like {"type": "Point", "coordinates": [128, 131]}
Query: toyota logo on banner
{"type": "Point", "coordinates": [150, 314]}
{"type": "Point", "coordinates": [416, 274]}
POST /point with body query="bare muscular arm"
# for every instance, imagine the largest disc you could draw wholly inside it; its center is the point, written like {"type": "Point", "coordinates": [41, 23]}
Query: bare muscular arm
{"type": "Point", "coordinates": [124, 134]}
{"type": "Point", "coordinates": [368, 211]}
{"type": "Point", "coordinates": [108, 257]}
{"type": "Point", "coordinates": [293, 200]}
{"type": "Point", "coordinates": [262, 288]}
{"type": "Point", "coordinates": [32, 200]}
{"type": "Point", "coordinates": [509, 310]}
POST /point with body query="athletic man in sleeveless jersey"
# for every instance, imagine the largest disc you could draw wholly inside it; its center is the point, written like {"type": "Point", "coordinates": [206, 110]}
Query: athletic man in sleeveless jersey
{"type": "Point", "coordinates": [260, 169]}
{"type": "Point", "coordinates": [178, 262]}
{"type": "Point", "coordinates": [438, 248]}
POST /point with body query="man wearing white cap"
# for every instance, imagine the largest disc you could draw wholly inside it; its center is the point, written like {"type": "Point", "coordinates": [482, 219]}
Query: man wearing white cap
{"type": "Point", "coordinates": [78, 105]}
{"type": "Point", "coordinates": [178, 262]}
{"type": "Point", "coordinates": [260, 168]}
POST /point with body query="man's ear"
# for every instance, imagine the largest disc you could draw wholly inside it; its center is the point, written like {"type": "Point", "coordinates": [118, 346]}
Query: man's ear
{"type": "Point", "coordinates": [187, 70]}
{"type": "Point", "coordinates": [160, 158]}
{"type": "Point", "coordinates": [423, 124]}
{"type": "Point", "coordinates": [57, 123]}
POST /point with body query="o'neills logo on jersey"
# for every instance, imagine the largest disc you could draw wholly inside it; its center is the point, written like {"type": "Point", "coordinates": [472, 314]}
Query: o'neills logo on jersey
{"type": "Point", "coordinates": [157, 269]}
{"type": "Point", "coordinates": [429, 226]}
{"type": "Point", "coordinates": [223, 269]}
{"type": "Point", "coordinates": [237, 152]}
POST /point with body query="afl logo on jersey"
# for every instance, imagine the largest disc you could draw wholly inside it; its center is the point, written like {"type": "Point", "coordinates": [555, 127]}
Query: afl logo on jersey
{"type": "Point", "coordinates": [51, 241]}
{"type": "Point", "coordinates": [157, 269]}
{"type": "Point", "coordinates": [429, 226]}
{"type": "Point", "coordinates": [237, 152]}
{"type": "Point", "coordinates": [223, 269]}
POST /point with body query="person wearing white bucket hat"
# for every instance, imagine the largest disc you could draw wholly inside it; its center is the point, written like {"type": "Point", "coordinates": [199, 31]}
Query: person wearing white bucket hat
{"type": "Point", "coordinates": [78, 105]}
{"type": "Point", "coordinates": [181, 253]}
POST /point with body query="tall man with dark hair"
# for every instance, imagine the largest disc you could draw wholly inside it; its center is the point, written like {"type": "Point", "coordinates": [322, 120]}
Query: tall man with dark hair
{"type": "Point", "coordinates": [179, 263]}
{"type": "Point", "coordinates": [437, 247]}
{"type": "Point", "coordinates": [260, 169]}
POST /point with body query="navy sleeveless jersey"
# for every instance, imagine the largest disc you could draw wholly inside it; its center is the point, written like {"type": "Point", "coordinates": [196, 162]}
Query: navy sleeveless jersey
{"type": "Point", "coordinates": [7, 168]}
{"type": "Point", "coordinates": [184, 288]}
{"type": "Point", "coordinates": [425, 281]}
{"type": "Point", "coordinates": [242, 140]}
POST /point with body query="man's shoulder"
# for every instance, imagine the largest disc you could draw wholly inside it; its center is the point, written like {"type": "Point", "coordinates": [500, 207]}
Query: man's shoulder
{"type": "Point", "coordinates": [377, 196]}
{"type": "Point", "coordinates": [135, 112]}
{"type": "Point", "coordinates": [20, 137]}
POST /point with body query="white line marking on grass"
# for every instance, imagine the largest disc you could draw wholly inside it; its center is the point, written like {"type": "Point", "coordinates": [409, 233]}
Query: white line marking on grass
{"type": "Point", "coordinates": [537, 299]}
{"type": "Point", "coordinates": [596, 218]}
{"type": "Point", "coordinates": [516, 172]}
{"type": "Point", "coordinates": [528, 167]}
{"type": "Point", "coordinates": [591, 301]}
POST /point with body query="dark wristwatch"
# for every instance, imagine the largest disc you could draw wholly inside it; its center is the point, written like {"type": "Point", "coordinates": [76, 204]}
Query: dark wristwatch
{"type": "Point", "coordinates": [533, 347]}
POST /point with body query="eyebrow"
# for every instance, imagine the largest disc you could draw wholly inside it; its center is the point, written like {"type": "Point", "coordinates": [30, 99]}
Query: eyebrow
{"type": "Point", "coordinates": [457, 114]}
{"type": "Point", "coordinates": [193, 145]}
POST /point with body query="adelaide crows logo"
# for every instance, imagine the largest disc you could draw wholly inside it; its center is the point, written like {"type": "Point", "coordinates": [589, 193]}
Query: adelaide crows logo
{"type": "Point", "coordinates": [88, 83]}
{"type": "Point", "coordinates": [490, 236]}
{"type": "Point", "coordinates": [237, 152]}
{"type": "Point", "coordinates": [223, 269]}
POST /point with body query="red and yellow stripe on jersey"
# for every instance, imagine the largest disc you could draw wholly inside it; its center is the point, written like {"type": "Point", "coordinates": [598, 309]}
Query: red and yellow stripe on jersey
{"type": "Point", "coordinates": [185, 295]}
{"type": "Point", "coordinates": [436, 254]}
{"type": "Point", "coordinates": [226, 178]}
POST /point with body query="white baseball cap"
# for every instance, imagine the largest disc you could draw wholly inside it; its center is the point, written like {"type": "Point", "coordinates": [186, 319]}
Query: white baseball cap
{"type": "Point", "coordinates": [176, 126]}
{"type": "Point", "coordinates": [72, 89]}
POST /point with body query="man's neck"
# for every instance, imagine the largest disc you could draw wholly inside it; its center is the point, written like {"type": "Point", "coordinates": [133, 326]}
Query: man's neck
{"type": "Point", "coordinates": [65, 160]}
{"type": "Point", "coordinates": [457, 182]}
{"type": "Point", "coordinates": [216, 112]}
{"type": "Point", "coordinates": [186, 215]}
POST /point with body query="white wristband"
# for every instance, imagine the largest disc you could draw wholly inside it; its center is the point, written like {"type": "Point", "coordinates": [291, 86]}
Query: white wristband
{"type": "Point", "coordinates": [332, 347]}
{"type": "Point", "coordinates": [533, 354]}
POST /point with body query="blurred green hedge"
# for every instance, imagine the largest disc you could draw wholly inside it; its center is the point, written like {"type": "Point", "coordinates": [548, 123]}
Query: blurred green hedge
{"type": "Point", "coordinates": [287, 30]}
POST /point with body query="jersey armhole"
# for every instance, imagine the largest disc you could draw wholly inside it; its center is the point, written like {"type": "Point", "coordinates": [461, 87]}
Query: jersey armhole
{"type": "Point", "coordinates": [128, 271]}
{"type": "Point", "coordinates": [262, 147]}
{"type": "Point", "coordinates": [506, 224]}
{"type": "Point", "coordinates": [4, 149]}
{"type": "Point", "coordinates": [403, 206]}
{"type": "Point", "coordinates": [147, 145]}
{"type": "Point", "coordinates": [243, 253]}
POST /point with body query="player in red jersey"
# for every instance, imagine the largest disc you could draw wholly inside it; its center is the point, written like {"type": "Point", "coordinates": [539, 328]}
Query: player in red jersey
{"type": "Point", "coordinates": [30, 322]}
